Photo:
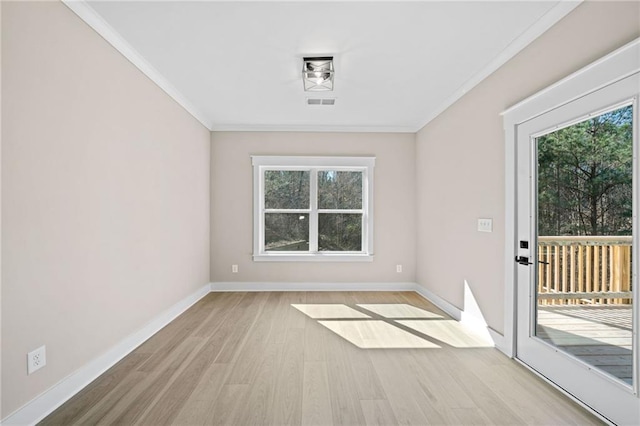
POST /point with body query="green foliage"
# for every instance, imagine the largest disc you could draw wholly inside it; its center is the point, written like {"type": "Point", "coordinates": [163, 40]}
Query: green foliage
{"type": "Point", "coordinates": [286, 189]}
{"type": "Point", "coordinates": [585, 177]}
{"type": "Point", "coordinates": [339, 190]}
{"type": "Point", "coordinates": [290, 189]}
{"type": "Point", "coordinates": [340, 232]}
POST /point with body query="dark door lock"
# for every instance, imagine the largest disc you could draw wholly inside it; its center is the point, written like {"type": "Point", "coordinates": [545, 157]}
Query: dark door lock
{"type": "Point", "coordinates": [524, 260]}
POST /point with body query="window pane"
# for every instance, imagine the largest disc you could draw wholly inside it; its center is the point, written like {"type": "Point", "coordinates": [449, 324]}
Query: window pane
{"type": "Point", "coordinates": [339, 232]}
{"type": "Point", "coordinates": [585, 248]}
{"type": "Point", "coordinates": [286, 189]}
{"type": "Point", "coordinates": [286, 232]}
{"type": "Point", "coordinates": [339, 190]}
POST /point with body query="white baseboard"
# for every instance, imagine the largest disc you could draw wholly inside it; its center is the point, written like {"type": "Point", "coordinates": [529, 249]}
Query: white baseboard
{"type": "Point", "coordinates": [453, 311]}
{"type": "Point", "coordinates": [500, 342]}
{"type": "Point", "coordinates": [459, 315]}
{"type": "Point", "coordinates": [281, 286]}
{"type": "Point", "coordinates": [43, 405]}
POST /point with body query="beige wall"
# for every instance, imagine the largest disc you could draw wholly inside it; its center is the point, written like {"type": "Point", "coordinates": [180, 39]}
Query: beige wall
{"type": "Point", "coordinates": [460, 156]}
{"type": "Point", "coordinates": [232, 201]}
{"type": "Point", "coordinates": [105, 197]}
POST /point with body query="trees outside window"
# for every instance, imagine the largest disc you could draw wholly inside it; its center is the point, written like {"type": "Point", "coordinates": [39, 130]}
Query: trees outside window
{"type": "Point", "coordinates": [313, 208]}
{"type": "Point", "coordinates": [585, 177]}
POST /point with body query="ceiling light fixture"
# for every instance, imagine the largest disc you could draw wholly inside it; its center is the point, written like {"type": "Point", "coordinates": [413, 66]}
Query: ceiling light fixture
{"type": "Point", "coordinates": [317, 74]}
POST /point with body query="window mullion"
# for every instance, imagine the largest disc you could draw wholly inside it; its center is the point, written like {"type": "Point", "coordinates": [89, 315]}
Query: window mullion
{"type": "Point", "coordinates": [287, 210]}
{"type": "Point", "coordinates": [313, 216]}
{"type": "Point", "coordinates": [341, 211]}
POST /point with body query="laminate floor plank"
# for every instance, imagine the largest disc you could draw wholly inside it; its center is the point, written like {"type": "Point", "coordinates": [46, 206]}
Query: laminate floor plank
{"type": "Point", "coordinates": [259, 401]}
{"type": "Point", "coordinates": [483, 395]}
{"type": "Point", "coordinates": [96, 392]}
{"type": "Point", "coordinates": [470, 416]}
{"type": "Point", "coordinates": [316, 403]}
{"type": "Point", "coordinates": [230, 405]}
{"type": "Point", "coordinates": [295, 319]}
{"type": "Point", "coordinates": [343, 390]}
{"type": "Point", "coordinates": [132, 395]}
{"type": "Point", "coordinates": [314, 335]}
{"type": "Point", "coordinates": [270, 357]}
{"type": "Point", "coordinates": [303, 358]}
{"type": "Point", "coordinates": [409, 403]}
{"type": "Point", "coordinates": [521, 382]}
{"type": "Point", "coordinates": [245, 314]}
{"type": "Point", "coordinates": [167, 407]}
{"type": "Point", "coordinates": [115, 402]}
{"type": "Point", "coordinates": [501, 384]}
{"type": "Point", "coordinates": [287, 396]}
{"type": "Point", "coordinates": [160, 380]}
{"type": "Point", "coordinates": [173, 398]}
{"type": "Point", "coordinates": [437, 383]}
{"type": "Point", "coordinates": [246, 366]}
{"type": "Point", "coordinates": [176, 332]}
{"type": "Point", "coordinates": [378, 412]}
{"type": "Point", "coordinates": [199, 407]}
{"type": "Point", "coordinates": [224, 304]}
{"type": "Point", "coordinates": [366, 378]}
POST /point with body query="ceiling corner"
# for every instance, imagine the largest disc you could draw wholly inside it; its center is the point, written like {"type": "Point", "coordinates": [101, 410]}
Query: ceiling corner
{"type": "Point", "coordinates": [85, 12]}
{"type": "Point", "coordinates": [549, 19]}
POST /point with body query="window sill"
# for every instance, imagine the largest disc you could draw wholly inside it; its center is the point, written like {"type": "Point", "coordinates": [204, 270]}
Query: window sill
{"type": "Point", "coordinates": [315, 257]}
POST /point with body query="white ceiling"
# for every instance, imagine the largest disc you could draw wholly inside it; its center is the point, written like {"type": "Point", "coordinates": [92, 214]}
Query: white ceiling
{"type": "Point", "coordinates": [237, 65]}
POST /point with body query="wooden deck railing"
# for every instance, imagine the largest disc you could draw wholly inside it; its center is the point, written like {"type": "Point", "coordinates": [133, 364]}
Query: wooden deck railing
{"type": "Point", "coordinates": [584, 270]}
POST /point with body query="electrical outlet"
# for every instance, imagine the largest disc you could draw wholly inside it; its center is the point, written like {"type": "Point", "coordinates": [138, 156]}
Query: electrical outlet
{"type": "Point", "coordinates": [485, 225]}
{"type": "Point", "coordinates": [36, 359]}
{"type": "Point", "coordinates": [398, 268]}
{"type": "Point", "coordinates": [234, 269]}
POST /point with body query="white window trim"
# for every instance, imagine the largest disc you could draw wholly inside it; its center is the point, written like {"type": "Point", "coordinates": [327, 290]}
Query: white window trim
{"type": "Point", "coordinates": [365, 164]}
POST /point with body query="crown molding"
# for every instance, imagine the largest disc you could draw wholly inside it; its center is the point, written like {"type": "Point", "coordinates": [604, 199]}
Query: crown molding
{"type": "Point", "coordinates": [549, 19]}
{"type": "Point", "coordinates": [106, 31]}
{"type": "Point", "coordinates": [311, 128]}
{"type": "Point", "coordinates": [85, 12]}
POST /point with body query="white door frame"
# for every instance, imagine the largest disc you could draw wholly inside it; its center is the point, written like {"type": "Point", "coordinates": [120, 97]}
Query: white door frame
{"type": "Point", "coordinates": [614, 67]}
{"type": "Point", "coordinates": [619, 64]}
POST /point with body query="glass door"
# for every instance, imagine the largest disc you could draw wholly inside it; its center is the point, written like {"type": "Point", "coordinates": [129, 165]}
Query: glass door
{"type": "Point", "coordinates": [577, 227]}
{"type": "Point", "coordinates": [585, 227]}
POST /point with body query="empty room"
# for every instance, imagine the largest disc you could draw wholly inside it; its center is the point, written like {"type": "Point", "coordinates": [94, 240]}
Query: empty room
{"type": "Point", "coordinates": [319, 212]}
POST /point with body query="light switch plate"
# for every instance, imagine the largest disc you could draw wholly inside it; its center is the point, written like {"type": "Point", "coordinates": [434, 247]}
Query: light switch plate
{"type": "Point", "coordinates": [485, 225]}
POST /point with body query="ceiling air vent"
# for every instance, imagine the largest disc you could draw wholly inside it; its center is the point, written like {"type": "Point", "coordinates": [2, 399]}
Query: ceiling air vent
{"type": "Point", "coordinates": [321, 101]}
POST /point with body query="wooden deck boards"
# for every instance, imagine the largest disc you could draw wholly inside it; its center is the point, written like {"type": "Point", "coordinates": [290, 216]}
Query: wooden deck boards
{"type": "Point", "coordinates": [254, 358]}
{"type": "Point", "coordinates": [598, 335]}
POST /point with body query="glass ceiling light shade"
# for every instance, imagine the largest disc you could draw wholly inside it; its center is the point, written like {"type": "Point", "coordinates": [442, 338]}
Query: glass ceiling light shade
{"type": "Point", "coordinates": [317, 74]}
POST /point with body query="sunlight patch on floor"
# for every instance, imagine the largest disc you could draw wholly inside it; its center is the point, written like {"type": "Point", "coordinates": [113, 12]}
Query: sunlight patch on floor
{"type": "Point", "coordinates": [452, 333]}
{"type": "Point", "coordinates": [376, 334]}
{"type": "Point", "coordinates": [329, 311]}
{"type": "Point", "coordinates": [398, 310]}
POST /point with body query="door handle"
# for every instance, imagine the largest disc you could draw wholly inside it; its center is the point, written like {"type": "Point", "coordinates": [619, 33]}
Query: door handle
{"type": "Point", "coordinates": [524, 260]}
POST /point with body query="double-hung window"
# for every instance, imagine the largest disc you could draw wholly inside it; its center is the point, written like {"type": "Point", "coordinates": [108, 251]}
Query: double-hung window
{"type": "Point", "coordinates": [313, 208]}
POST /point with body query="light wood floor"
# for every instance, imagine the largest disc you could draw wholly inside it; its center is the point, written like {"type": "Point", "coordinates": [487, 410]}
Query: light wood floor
{"type": "Point", "coordinates": [322, 358]}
